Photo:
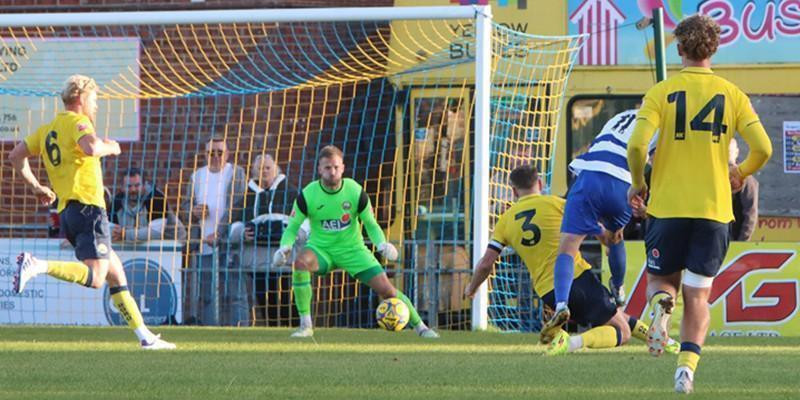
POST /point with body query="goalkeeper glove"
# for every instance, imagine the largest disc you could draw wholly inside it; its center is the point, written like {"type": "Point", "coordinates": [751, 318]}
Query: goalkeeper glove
{"type": "Point", "coordinates": [281, 256]}
{"type": "Point", "coordinates": [388, 251]}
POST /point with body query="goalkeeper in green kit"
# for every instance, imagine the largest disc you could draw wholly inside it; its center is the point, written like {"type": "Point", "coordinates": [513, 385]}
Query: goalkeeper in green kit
{"type": "Point", "coordinates": [334, 207]}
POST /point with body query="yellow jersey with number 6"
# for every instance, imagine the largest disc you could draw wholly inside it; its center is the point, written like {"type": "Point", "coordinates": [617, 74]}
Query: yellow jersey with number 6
{"type": "Point", "coordinates": [697, 114]}
{"type": "Point", "coordinates": [532, 227]}
{"type": "Point", "coordinates": [73, 175]}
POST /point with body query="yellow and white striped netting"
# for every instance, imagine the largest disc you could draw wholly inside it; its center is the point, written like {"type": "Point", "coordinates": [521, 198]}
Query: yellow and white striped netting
{"type": "Point", "coordinates": [396, 97]}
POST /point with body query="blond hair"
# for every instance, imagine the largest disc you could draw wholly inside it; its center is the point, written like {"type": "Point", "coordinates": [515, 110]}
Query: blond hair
{"type": "Point", "coordinates": [76, 87]}
{"type": "Point", "coordinates": [698, 36]}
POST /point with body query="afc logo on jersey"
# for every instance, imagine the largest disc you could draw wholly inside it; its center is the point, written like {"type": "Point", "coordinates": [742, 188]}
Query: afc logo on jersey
{"type": "Point", "coordinates": [335, 225]}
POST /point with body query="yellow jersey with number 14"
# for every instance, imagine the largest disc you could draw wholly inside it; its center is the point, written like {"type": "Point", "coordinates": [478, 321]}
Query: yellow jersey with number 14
{"type": "Point", "coordinates": [73, 175]}
{"type": "Point", "coordinates": [532, 227]}
{"type": "Point", "coordinates": [696, 113]}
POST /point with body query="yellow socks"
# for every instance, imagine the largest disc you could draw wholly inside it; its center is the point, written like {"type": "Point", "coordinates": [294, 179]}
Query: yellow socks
{"type": "Point", "coordinates": [638, 328]}
{"type": "Point", "coordinates": [602, 337]}
{"type": "Point", "coordinates": [689, 355]}
{"type": "Point", "coordinates": [126, 306]}
{"type": "Point", "coordinates": [70, 271]}
{"type": "Point", "coordinates": [128, 309]}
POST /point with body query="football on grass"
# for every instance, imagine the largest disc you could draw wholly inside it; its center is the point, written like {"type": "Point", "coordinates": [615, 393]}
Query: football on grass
{"type": "Point", "coordinates": [392, 314]}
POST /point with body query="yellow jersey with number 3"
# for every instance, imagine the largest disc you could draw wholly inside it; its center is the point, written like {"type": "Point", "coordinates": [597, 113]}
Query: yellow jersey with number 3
{"type": "Point", "coordinates": [696, 113]}
{"type": "Point", "coordinates": [73, 175]}
{"type": "Point", "coordinates": [532, 227]}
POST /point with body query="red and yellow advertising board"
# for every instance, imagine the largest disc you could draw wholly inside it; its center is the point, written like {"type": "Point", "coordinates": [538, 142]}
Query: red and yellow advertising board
{"type": "Point", "coordinates": [777, 229]}
{"type": "Point", "coordinates": [756, 292]}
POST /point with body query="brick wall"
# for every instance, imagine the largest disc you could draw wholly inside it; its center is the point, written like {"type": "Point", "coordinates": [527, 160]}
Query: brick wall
{"type": "Point", "coordinates": [173, 130]}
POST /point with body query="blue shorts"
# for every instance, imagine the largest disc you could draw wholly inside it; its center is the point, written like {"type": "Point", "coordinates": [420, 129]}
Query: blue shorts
{"type": "Point", "coordinates": [696, 244]}
{"type": "Point", "coordinates": [87, 230]}
{"type": "Point", "coordinates": [596, 197]}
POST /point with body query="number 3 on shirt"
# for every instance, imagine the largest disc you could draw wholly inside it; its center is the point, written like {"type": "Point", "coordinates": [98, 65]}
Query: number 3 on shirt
{"type": "Point", "coordinates": [698, 124]}
{"type": "Point", "coordinates": [528, 226]}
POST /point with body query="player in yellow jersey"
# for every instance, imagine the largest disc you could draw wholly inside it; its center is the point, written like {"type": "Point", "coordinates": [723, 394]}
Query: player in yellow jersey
{"type": "Point", "coordinates": [71, 153]}
{"type": "Point", "coordinates": [532, 227]}
{"type": "Point", "coordinates": [697, 114]}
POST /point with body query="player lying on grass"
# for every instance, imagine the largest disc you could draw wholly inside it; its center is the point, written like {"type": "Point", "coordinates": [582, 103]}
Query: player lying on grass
{"type": "Point", "coordinates": [531, 226]}
{"type": "Point", "coordinates": [334, 207]}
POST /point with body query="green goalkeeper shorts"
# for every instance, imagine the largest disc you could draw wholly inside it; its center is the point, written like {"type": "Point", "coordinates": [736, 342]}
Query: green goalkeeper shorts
{"type": "Point", "coordinates": [357, 261]}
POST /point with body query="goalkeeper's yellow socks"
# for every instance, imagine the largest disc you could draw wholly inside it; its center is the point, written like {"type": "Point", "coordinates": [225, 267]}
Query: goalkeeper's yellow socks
{"type": "Point", "coordinates": [414, 319]}
{"type": "Point", "coordinates": [301, 284]}
{"type": "Point", "coordinates": [689, 356]}
{"type": "Point", "coordinates": [128, 309]}
{"type": "Point", "coordinates": [638, 328]}
{"type": "Point", "coordinates": [69, 271]}
{"type": "Point", "coordinates": [602, 337]}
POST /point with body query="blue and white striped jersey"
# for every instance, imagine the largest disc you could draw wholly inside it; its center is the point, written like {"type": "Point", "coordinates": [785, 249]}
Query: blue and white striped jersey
{"type": "Point", "coordinates": [608, 152]}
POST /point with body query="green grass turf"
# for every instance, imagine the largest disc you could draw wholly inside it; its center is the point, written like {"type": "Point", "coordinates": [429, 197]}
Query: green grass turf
{"type": "Point", "coordinates": [106, 363]}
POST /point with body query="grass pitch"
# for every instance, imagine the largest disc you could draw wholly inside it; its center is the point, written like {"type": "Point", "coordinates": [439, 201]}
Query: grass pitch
{"type": "Point", "coordinates": [106, 363]}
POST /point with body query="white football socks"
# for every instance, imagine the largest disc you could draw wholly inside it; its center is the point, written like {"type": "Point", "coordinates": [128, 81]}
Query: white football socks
{"type": "Point", "coordinates": [575, 343]}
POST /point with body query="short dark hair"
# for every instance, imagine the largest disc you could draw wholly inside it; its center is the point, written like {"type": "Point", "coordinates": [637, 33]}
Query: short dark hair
{"type": "Point", "coordinates": [133, 171]}
{"type": "Point", "coordinates": [330, 151]}
{"type": "Point", "coordinates": [217, 139]}
{"type": "Point", "coordinates": [524, 177]}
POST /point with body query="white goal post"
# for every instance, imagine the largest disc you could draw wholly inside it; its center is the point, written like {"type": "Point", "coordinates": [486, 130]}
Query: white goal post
{"type": "Point", "coordinates": [481, 15]}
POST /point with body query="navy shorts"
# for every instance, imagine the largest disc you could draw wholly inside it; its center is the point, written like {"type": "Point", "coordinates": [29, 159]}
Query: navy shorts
{"type": "Point", "coordinates": [86, 228]}
{"type": "Point", "coordinates": [590, 303]}
{"type": "Point", "coordinates": [596, 197]}
{"type": "Point", "coordinates": [696, 244]}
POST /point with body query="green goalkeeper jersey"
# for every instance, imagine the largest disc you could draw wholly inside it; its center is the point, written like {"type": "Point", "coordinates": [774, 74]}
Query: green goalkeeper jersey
{"type": "Point", "coordinates": [335, 217]}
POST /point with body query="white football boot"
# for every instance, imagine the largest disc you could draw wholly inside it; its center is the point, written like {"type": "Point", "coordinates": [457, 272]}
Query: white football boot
{"type": "Point", "coordinates": [27, 268]}
{"type": "Point", "coordinates": [684, 380]}
{"type": "Point", "coordinates": [658, 333]}
{"type": "Point", "coordinates": [157, 344]}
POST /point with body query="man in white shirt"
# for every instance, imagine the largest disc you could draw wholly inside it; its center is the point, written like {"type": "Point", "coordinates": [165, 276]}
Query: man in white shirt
{"type": "Point", "coordinates": [215, 191]}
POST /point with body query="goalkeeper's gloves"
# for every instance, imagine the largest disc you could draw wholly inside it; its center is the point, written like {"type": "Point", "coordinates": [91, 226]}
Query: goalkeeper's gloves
{"type": "Point", "coordinates": [388, 251]}
{"type": "Point", "coordinates": [281, 256]}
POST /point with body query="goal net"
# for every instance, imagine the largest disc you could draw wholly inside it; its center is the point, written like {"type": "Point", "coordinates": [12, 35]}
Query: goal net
{"type": "Point", "coordinates": [395, 89]}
